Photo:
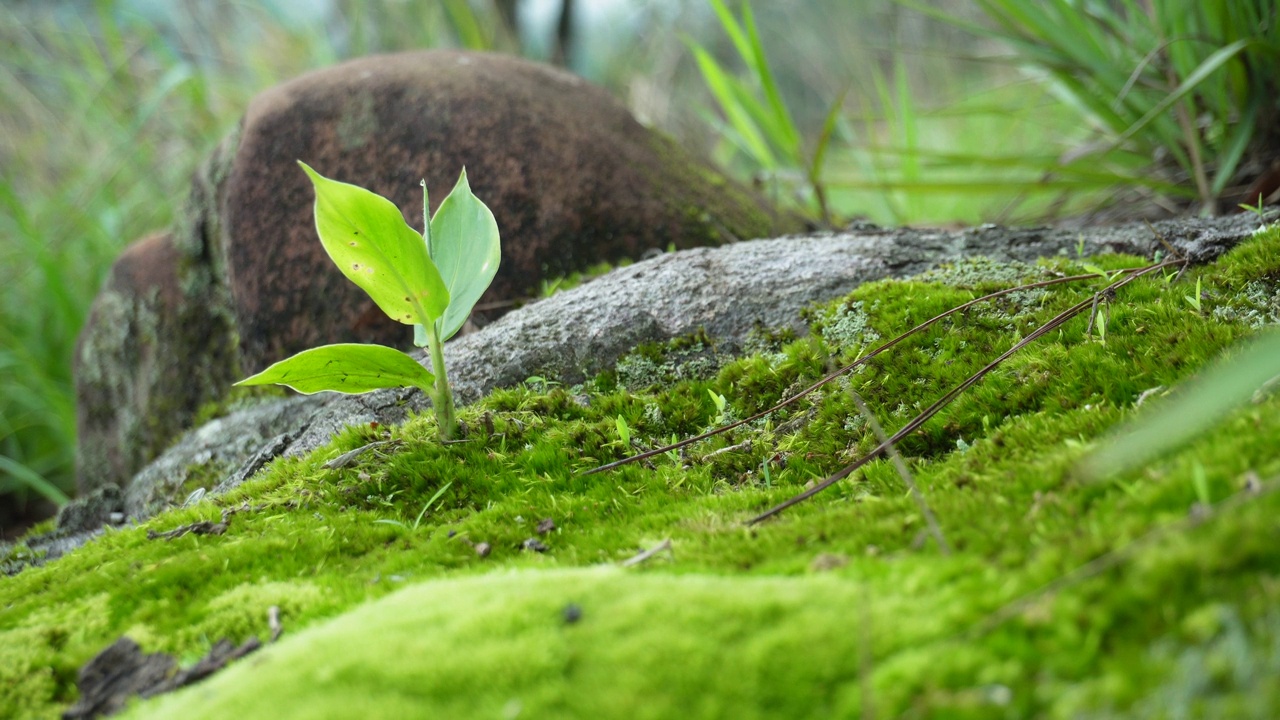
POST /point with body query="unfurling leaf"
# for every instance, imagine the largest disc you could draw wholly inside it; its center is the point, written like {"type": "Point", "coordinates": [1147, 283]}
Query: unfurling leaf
{"type": "Point", "coordinates": [369, 241]}
{"type": "Point", "coordinates": [464, 247]}
{"type": "Point", "coordinates": [346, 368]}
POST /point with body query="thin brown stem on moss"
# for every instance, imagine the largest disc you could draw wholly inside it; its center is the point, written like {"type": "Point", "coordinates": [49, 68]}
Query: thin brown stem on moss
{"type": "Point", "coordinates": [915, 423]}
{"type": "Point", "coordinates": [843, 370]}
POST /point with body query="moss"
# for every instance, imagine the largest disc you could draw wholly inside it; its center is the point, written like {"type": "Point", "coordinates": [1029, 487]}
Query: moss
{"type": "Point", "coordinates": [1061, 598]}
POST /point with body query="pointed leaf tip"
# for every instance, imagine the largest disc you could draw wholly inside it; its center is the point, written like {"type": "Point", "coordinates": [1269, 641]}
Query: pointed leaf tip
{"type": "Point", "coordinates": [465, 247]}
{"type": "Point", "coordinates": [348, 368]}
{"type": "Point", "coordinates": [367, 238]}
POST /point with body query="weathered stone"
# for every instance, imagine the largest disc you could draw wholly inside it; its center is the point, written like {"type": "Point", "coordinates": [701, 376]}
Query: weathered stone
{"type": "Point", "coordinates": [242, 280]}
{"type": "Point", "coordinates": [154, 349]}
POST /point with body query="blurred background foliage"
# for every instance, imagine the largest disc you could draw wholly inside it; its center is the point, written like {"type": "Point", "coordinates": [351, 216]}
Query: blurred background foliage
{"type": "Point", "coordinates": [952, 112]}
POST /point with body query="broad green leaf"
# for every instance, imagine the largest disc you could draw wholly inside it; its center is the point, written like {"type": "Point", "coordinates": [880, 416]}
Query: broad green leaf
{"type": "Point", "coordinates": [369, 241]}
{"type": "Point", "coordinates": [464, 246]}
{"type": "Point", "coordinates": [349, 368]}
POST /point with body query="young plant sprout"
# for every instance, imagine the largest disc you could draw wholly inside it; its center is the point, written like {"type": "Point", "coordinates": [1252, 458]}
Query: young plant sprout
{"type": "Point", "coordinates": [430, 281]}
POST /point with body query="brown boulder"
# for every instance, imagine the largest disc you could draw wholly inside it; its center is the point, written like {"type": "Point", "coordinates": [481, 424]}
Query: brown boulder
{"type": "Point", "coordinates": [571, 177]}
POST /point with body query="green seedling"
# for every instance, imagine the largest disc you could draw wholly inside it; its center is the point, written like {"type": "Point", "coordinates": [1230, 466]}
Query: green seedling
{"type": "Point", "coordinates": [1194, 300]}
{"type": "Point", "coordinates": [674, 454]}
{"type": "Point", "coordinates": [418, 521]}
{"type": "Point", "coordinates": [1201, 484]}
{"type": "Point", "coordinates": [624, 433]}
{"type": "Point", "coordinates": [1110, 275]}
{"type": "Point", "coordinates": [719, 400]}
{"type": "Point", "coordinates": [1258, 209]}
{"type": "Point", "coordinates": [430, 281]}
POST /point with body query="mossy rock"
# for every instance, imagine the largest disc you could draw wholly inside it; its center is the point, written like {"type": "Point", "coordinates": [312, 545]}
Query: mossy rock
{"type": "Point", "coordinates": [1147, 594]}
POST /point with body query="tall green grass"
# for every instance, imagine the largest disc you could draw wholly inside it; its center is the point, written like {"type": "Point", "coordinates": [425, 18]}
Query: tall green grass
{"type": "Point", "coordinates": [1190, 85]}
{"type": "Point", "coordinates": [1162, 101]}
{"type": "Point", "coordinates": [921, 128]}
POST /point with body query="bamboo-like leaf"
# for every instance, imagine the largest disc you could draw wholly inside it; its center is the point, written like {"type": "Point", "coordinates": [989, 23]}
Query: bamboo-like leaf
{"type": "Point", "coordinates": [787, 137]}
{"type": "Point", "coordinates": [824, 138]}
{"type": "Point", "coordinates": [349, 368]}
{"type": "Point", "coordinates": [721, 85]}
{"type": "Point", "coordinates": [730, 25]}
{"type": "Point", "coordinates": [34, 480]}
{"type": "Point", "coordinates": [369, 241]}
{"type": "Point", "coordinates": [1206, 68]}
{"type": "Point", "coordinates": [1233, 148]}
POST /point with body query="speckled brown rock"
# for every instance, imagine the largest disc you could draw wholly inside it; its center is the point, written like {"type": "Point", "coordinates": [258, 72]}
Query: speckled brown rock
{"type": "Point", "coordinates": [243, 280]}
{"type": "Point", "coordinates": [571, 177]}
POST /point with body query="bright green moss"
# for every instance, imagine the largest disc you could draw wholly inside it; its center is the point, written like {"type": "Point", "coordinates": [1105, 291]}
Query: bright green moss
{"type": "Point", "coordinates": [797, 617]}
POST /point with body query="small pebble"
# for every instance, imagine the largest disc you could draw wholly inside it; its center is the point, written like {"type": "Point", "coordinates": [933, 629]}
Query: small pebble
{"type": "Point", "coordinates": [572, 613]}
{"type": "Point", "coordinates": [533, 544]}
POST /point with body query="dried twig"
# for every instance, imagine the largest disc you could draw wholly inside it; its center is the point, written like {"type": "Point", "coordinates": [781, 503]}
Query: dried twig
{"type": "Point", "coordinates": [651, 552]}
{"type": "Point", "coordinates": [744, 445]}
{"type": "Point", "coordinates": [896, 458]}
{"type": "Point", "coordinates": [349, 458]}
{"type": "Point", "coordinates": [200, 527]}
{"type": "Point", "coordinates": [273, 622]}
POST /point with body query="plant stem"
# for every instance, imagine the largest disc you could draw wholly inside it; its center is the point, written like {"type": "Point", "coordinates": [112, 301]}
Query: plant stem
{"type": "Point", "coordinates": [441, 397]}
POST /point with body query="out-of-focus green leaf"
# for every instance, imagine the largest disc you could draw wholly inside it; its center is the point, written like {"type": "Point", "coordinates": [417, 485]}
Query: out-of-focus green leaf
{"type": "Point", "coordinates": [1193, 409]}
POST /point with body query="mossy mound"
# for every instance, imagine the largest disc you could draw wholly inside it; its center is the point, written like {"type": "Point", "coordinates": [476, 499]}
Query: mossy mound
{"type": "Point", "coordinates": [1137, 596]}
